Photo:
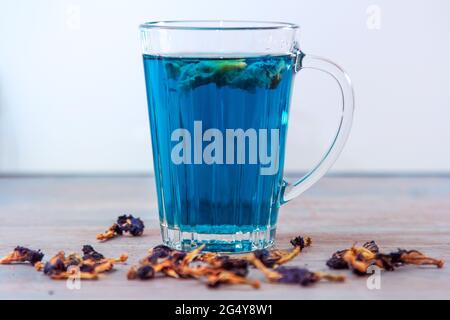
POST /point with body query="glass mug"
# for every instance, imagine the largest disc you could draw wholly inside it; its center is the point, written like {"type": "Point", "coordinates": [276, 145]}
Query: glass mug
{"type": "Point", "coordinates": [218, 99]}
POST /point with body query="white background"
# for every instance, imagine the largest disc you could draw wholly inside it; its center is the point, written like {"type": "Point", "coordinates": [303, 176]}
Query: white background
{"type": "Point", "coordinates": [72, 97]}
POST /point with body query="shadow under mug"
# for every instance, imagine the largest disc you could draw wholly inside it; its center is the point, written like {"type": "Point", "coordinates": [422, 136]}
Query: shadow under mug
{"type": "Point", "coordinates": [218, 99]}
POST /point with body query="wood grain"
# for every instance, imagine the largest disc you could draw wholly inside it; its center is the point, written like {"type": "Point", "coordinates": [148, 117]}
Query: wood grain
{"type": "Point", "coordinates": [65, 213]}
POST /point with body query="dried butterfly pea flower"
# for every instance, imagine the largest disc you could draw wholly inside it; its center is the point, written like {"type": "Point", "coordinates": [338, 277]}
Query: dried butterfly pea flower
{"type": "Point", "coordinates": [124, 224]}
{"type": "Point", "coordinates": [89, 266]}
{"type": "Point", "coordinates": [22, 254]}
{"type": "Point", "coordinates": [158, 260]}
{"type": "Point", "coordinates": [90, 253]}
{"type": "Point", "coordinates": [301, 242]}
{"type": "Point", "coordinates": [359, 259]}
{"type": "Point", "coordinates": [131, 225]}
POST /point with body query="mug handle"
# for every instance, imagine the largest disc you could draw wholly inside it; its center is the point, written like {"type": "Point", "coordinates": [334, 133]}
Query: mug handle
{"type": "Point", "coordinates": [303, 61]}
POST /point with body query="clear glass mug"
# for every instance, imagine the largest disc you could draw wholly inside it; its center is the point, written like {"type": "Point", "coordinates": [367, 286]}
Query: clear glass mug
{"type": "Point", "coordinates": [218, 99]}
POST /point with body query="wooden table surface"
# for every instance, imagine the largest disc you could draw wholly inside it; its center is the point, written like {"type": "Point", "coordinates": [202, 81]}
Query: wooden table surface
{"type": "Point", "coordinates": [65, 213]}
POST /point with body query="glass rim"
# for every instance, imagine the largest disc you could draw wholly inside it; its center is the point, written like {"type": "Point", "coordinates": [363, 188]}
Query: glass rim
{"type": "Point", "coordinates": [215, 25]}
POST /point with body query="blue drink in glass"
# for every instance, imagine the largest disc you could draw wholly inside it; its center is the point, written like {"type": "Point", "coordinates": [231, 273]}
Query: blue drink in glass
{"type": "Point", "coordinates": [216, 186]}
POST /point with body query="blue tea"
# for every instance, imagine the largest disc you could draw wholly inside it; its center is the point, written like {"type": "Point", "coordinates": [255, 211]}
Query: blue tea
{"type": "Point", "coordinates": [218, 128]}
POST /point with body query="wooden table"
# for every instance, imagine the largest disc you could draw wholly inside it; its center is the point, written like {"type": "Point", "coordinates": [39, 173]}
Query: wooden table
{"type": "Point", "coordinates": [65, 213]}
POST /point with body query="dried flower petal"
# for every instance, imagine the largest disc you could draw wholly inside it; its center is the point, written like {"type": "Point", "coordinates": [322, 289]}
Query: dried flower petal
{"type": "Point", "coordinates": [22, 254]}
{"type": "Point", "coordinates": [301, 242]}
{"type": "Point", "coordinates": [131, 225]}
{"type": "Point", "coordinates": [124, 224]}
{"type": "Point", "coordinates": [110, 233]}
{"type": "Point", "coordinates": [90, 253]}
